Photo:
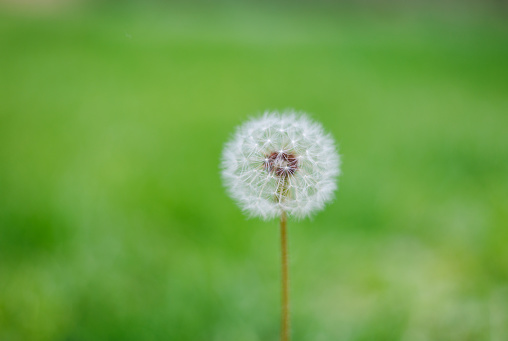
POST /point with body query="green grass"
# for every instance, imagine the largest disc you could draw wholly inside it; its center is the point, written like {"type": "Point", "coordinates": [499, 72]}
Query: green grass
{"type": "Point", "coordinates": [113, 221]}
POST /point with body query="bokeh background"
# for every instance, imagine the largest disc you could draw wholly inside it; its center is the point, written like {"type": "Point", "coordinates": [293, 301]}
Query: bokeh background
{"type": "Point", "coordinates": [114, 224]}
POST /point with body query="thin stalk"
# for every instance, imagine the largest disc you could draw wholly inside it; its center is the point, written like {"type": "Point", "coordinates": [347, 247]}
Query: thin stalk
{"type": "Point", "coordinates": [284, 335]}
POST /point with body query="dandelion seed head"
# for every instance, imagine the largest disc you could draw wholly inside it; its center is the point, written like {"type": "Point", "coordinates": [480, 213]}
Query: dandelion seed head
{"type": "Point", "coordinates": [280, 162]}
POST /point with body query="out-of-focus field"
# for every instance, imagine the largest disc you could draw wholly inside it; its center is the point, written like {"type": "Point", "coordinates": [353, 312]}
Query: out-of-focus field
{"type": "Point", "coordinates": [113, 221]}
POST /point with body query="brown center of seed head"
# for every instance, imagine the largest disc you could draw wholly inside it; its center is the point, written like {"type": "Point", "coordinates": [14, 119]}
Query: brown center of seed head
{"type": "Point", "coordinates": [281, 163]}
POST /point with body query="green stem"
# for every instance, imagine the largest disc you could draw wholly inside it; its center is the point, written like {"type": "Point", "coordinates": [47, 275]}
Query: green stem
{"type": "Point", "coordinates": [284, 336]}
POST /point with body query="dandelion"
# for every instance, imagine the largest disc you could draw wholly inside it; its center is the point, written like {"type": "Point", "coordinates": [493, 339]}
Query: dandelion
{"type": "Point", "coordinates": [281, 165]}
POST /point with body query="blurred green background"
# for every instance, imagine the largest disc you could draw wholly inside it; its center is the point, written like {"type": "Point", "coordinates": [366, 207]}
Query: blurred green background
{"type": "Point", "coordinates": [114, 224]}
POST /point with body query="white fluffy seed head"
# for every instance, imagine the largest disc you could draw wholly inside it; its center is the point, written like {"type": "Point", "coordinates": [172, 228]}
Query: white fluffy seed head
{"type": "Point", "coordinates": [280, 162]}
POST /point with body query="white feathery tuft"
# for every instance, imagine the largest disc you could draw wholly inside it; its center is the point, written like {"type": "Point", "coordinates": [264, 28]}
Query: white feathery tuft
{"type": "Point", "coordinates": [281, 162]}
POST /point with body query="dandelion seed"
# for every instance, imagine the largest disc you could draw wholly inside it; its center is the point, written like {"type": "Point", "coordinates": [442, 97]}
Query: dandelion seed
{"type": "Point", "coordinates": [282, 156]}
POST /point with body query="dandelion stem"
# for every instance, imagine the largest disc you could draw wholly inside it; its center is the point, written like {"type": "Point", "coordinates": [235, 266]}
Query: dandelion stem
{"type": "Point", "coordinates": [284, 336]}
